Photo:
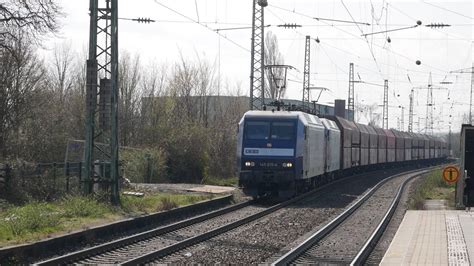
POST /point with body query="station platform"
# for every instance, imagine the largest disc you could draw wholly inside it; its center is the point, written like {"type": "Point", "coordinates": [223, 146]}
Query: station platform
{"type": "Point", "coordinates": [438, 237]}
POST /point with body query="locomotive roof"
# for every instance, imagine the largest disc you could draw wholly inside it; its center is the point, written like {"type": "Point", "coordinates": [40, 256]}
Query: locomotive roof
{"type": "Point", "coordinates": [287, 114]}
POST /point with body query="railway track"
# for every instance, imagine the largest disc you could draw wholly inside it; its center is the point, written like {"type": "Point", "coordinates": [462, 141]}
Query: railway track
{"type": "Point", "coordinates": [351, 236]}
{"type": "Point", "coordinates": [249, 243]}
{"type": "Point", "coordinates": [163, 241]}
{"type": "Point", "coordinates": [158, 242]}
{"type": "Point", "coordinates": [102, 251]}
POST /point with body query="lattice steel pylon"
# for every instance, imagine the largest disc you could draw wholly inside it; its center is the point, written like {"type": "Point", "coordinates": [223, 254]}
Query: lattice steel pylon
{"type": "Point", "coordinates": [102, 64]}
{"type": "Point", "coordinates": [468, 71]}
{"type": "Point", "coordinates": [429, 108]}
{"type": "Point", "coordinates": [410, 112]}
{"type": "Point", "coordinates": [429, 123]}
{"type": "Point", "coordinates": [350, 95]}
{"type": "Point", "coordinates": [306, 72]}
{"type": "Point", "coordinates": [402, 119]}
{"type": "Point", "coordinates": [385, 105]}
{"type": "Point", "coordinates": [257, 64]}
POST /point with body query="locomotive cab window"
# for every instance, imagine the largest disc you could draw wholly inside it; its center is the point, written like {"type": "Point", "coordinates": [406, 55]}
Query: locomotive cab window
{"type": "Point", "coordinates": [257, 130]}
{"type": "Point", "coordinates": [282, 130]}
{"type": "Point", "coordinates": [277, 130]}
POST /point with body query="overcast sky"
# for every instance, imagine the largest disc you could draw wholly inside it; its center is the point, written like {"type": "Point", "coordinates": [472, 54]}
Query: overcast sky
{"type": "Point", "coordinates": [440, 50]}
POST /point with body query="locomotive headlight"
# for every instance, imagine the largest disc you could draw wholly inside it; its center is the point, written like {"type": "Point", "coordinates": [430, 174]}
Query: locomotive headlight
{"type": "Point", "coordinates": [249, 164]}
{"type": "Point", "coordinates": [287, 165]}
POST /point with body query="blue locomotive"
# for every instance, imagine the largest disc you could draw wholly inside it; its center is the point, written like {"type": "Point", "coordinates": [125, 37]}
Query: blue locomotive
{"type": "Point", "coordinates": [287, 152]}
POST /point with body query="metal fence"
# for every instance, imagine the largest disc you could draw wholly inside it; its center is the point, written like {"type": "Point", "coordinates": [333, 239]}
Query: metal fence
{"type": "Point", "coordinates": [41, 181]}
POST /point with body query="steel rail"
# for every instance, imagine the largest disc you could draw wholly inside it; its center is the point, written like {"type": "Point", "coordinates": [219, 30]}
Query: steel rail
{"type": "Point", "coordinates": [296, 252]}
{"type": "Point", "coordinates": [225, 228]}
{"type": "Point", "coordinates": [205, 236]}
{"type": "Point", "coordinates": [370, 244]}
{"type": "Point", "coordinates": [92, 251]}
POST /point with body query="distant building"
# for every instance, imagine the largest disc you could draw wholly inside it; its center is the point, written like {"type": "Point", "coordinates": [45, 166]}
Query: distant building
{"type": "Point", "coordinates": [211, 105]}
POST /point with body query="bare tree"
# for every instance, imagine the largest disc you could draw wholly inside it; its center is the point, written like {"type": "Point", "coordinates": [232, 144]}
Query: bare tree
{"type": "Point", "coordinates": [61, 70]}
{"type": "Point", "coordinates": [29, 19]}
{"type": "Point", "coordinates": [153, 83]}
{"type": "Point", "coordinates": [129, 81]}
{"type": "Point", "coordinates": [273, 57]}
{"type": "Point", "coordinates": [21, 74]}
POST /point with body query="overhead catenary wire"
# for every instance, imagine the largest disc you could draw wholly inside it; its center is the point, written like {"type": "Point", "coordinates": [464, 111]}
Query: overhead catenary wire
{"type": "Point", "coordinates": [448, 10]}
{"type": "Point", "coordinates": [326, 47]}
{"type": "Point", "coordinates": [203, 25]}
{"type": "Point", "coordinates": [366, 40]}
{"type": "Point", "coordinates": [357, 37]}
{"type": "Point", "coordinates": [455, 37]}
{"type": "Point", "coordinates": [301, 34]}
{"type": "Point", "coordinates": [392, 52]}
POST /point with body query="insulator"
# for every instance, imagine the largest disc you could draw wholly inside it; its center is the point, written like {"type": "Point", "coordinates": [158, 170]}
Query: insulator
{"type": "Point", "coordinates": [144, 20]}
{"type": "Point", "coordinates": [437, 25]}
{"type": "Point", "coordinates": [289, 25]}
{"type": "Point", "coordinates": [262, 3]}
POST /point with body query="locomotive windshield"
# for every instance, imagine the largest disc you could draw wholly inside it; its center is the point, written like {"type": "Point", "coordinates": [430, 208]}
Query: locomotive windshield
{"type": "Point", "coordinates": [257, 130]}
{"type": "Point", "coordinates": [282, 130]}
{"type": "Point", "coordinates": [260, 130]}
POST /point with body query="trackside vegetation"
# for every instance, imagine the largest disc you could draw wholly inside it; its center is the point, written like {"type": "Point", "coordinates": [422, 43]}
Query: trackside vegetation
{"type": "Point", "coordinates": [432, 186]}
{"type": "Point", "coordinates": [231, 181]}
{"type": "Point", "coordinates": [38, 220]}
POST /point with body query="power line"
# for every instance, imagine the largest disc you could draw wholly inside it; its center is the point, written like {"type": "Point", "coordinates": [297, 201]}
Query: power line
{"type": "Point", "coordinates": [410, 17]}
{"type": "Point", "coordinates": [203, 25]}
{"type": "Point", "coordinates": [367, 41]}
{"type": "Point", "coordinates": [448, 10]}
{"type": "Point", "coordinates": [392, 30]}
{"type": "Point", "coordinates": [357, 37]}
{"type": "Point", "coordinates": [197, 10]}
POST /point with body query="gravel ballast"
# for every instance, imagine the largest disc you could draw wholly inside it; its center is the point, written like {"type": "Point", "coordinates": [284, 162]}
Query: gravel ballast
{"type": "Point", "coordinates": [256, 242]}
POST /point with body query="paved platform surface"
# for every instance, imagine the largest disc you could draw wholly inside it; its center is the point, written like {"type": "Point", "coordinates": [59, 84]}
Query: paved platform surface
{"type": "Point", "coordinates": [441, 237]}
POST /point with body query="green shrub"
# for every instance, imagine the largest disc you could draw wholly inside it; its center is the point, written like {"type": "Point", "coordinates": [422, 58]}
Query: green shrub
{"type": "Point", "coordinates": [188, 159]}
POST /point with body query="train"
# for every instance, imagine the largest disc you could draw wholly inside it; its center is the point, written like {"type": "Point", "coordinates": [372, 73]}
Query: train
{"type": "Point", "coordinates": [283, 153]}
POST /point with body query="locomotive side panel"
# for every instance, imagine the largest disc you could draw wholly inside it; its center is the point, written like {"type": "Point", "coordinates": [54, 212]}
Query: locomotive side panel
{"type": "Point", "coordinates": [314, 147]}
